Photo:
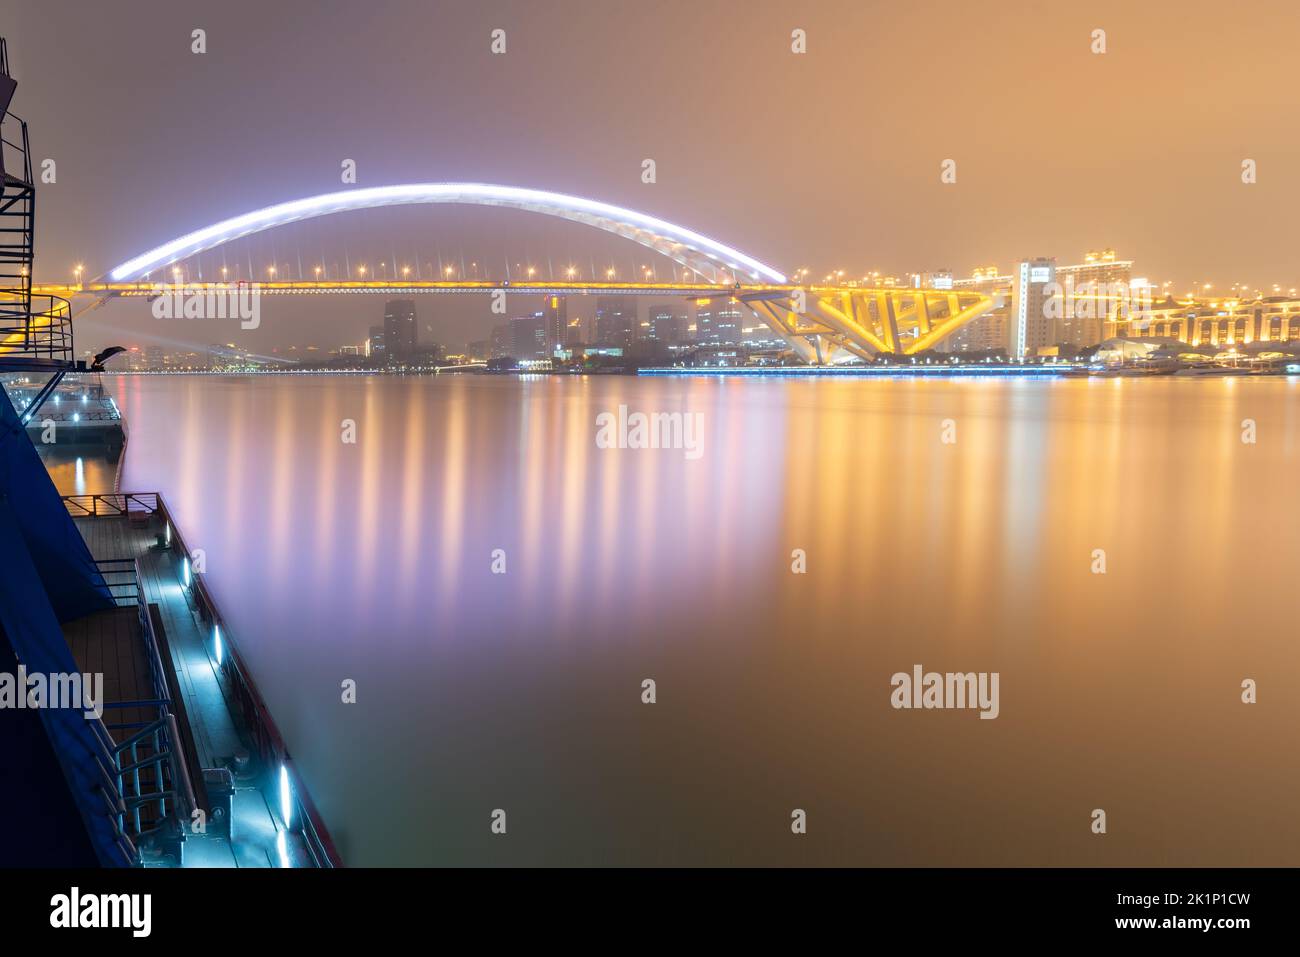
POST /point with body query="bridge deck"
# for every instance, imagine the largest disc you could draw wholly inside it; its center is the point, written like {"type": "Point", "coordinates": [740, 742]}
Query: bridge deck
{"type": "Point", "coordinates": [395, 287]}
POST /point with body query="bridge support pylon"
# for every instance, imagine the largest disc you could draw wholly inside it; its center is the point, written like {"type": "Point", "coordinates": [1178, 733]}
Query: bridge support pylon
{"type": "Point", "coordinates": [830, 325]}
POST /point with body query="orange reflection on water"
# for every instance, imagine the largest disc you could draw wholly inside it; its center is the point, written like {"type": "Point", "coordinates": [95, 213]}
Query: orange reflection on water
{"type": "Point", "coordinates": [1119, 689]}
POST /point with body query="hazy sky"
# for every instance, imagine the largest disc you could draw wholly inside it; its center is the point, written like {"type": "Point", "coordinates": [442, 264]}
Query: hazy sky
{"type": "Point", "coordinates": [829, 159]}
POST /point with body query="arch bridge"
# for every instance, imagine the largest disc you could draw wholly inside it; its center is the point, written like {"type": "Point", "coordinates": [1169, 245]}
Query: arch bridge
{"type": "Point", "coordinates": [822, 323]}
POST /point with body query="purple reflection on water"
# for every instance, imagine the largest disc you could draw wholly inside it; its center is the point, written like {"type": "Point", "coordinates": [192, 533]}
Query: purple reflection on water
{"type": "Point", "coordinates": [522, 691]}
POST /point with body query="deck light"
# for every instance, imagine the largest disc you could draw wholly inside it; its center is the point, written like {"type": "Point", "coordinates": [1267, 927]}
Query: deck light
{"type": "Point", "coordinates": [185, 571]}
{"type": "Point", "coordinates": [286, 797]}
{"type": "Point", "coordinates": [216, 644]}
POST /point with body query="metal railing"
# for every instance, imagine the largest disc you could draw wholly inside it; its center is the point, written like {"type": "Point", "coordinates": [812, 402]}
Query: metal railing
{"type": "Point", "coordinates": [114, 503]}
{"type": "Point", "coordinates": [19, 147]}
{"type": "Point", "coordinates": [39, 327]}
{"type": "Point", "coordinates": [231, 670]}
{"type": "Point", "coordinates": [83, 414]}
{"type": "Point", "coordinates": [123, 579]}
{"type": "Point", "coordinates": [148, 764]}
{"type": "Point", "coordinates": [109, 790]}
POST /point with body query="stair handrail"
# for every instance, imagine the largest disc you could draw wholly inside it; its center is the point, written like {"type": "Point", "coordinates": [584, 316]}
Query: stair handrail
{"type": "Point", "coordinates": [22, 148]}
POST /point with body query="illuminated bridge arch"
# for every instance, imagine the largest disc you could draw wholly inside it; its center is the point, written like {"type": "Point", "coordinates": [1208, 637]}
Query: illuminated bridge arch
{"type": "Point", "coordinates": [712, 260]}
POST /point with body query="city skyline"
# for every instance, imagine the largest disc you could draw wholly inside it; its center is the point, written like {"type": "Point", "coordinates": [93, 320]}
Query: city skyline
{"type": "Point", "coordinates": [1090, 286]}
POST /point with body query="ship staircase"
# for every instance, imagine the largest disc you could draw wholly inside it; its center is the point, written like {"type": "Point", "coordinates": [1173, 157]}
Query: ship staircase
{"type": "Point", "coordinates": [35, 331]}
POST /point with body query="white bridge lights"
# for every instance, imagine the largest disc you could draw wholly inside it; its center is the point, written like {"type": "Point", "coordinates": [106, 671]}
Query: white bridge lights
{"type": "Point", "coordinates": [823, 324]}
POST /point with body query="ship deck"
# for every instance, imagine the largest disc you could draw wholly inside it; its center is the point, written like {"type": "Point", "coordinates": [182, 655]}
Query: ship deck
{"type": "Point", "coordinates": [113, 642]}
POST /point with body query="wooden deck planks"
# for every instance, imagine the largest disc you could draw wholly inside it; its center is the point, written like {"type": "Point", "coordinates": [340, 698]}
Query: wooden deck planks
{"type": "Point", "coordinates": [109, 643]}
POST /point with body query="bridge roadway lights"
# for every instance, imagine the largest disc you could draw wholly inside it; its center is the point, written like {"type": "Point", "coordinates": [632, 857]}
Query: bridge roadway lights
{"type": "Point", "coordinates": [824, 325]}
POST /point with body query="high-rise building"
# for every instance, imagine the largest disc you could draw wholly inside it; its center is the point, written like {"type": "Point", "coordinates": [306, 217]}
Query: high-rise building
{"type": "Point", "coordinates": [1090, 292]}
{"type": "Point", "coordinates": [153, 358]}
{"type": "Point", "coordinates": [667, 323]}
{"type": "Point", "coordinates": [704, 322]}
{"type": "Point", "coordinates": [616, 323]}
{"type": "Point", "coordinates": [573, 333]}
{"type": "Point", "coordinates": [727, 322]}
{"type": "Point", "coordinates": [399, 329]}
{"type": "Point", "coordinates": [556, 314]}
{"type": "Point", "coordinates": [718, 322]}
{"type": "Point", "coordinates": [375, 344]}
{"type": "Point", "coordinates": [499, 341]}
{"type": "Point", "coordinates": [1031, 323]}
{"type": "Point", "coordinates": [756, 334]}
{"type": "Point", "coordinates": [529, 337]}
{"type": "Point", "coordinates": [991, 331]}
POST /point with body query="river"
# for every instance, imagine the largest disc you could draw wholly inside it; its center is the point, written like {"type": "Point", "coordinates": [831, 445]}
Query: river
{"type": "Point", "coordinates": [500, 588]}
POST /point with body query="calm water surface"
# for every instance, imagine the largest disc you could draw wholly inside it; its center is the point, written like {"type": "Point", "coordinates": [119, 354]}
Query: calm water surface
{"type": "Point", "coordinates": [522, 691]}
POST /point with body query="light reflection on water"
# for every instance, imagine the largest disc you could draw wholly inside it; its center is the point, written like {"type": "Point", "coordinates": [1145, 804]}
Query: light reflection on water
{"type": "Point", "coordinates": [80, 470]}
{"type": "Point", "coordinates": [522, 691]}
